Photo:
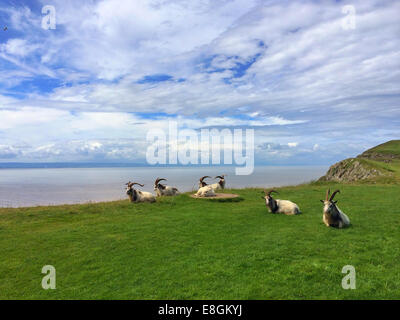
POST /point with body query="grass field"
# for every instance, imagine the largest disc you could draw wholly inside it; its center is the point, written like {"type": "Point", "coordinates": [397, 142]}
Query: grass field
{"type": "Point", "coordinates": [184, 248]}
{"type": "Point", "coordinates": [389, 148]}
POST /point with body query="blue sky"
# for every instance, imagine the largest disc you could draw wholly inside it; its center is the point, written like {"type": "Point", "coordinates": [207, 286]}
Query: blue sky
{"type": "Point", "coordinates": [89, 90]}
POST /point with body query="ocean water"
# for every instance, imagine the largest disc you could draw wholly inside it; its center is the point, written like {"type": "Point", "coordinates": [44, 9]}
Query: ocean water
{"type": "Point", "coordinates": [32, 187]}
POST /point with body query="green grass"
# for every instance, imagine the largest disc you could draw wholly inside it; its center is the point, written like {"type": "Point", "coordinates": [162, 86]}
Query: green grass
{"type": "Point", "coordinates": [390, 170]}
{"type": "Point", "coordinates": [391, 147]}
{"type": "Point", "coordinates": [184, 248]}
{"type": "Point", "coordinates": [384, 158]}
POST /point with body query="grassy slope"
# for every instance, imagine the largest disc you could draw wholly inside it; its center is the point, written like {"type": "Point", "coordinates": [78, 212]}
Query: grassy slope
{"type": "Point", "coordinates": [391, 147]}
{"type": "Point", "coordinates": [184, 248]}
{"type": "Point", "coordinates": [384, 158]}
{"type": "Point", "coordinates": [391, 171]}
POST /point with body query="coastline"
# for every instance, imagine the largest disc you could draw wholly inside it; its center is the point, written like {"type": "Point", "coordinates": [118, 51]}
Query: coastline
{"type": "Point", "coordinates": [84, 185]}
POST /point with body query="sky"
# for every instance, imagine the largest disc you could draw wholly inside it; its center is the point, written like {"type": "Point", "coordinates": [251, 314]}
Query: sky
{"type": "Point", "coordinates": [315, 87]}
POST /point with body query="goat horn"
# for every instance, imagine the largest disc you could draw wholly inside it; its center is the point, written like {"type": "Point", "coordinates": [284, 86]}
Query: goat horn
{"type": "Point", "coordinates": [219, 177]}
{"type": "Point", "coordinates": [333, 194]}
{"type": "Point", "coordinates": [158, 180]}
{"type": "Point", "coordinates": [327, 194]}
{"type": "Point", "coordinates": [202, 178]}
{"type": "Point", "coordinates": [133, 183]}
{"type": "Point", "coordinates": [270, 191]}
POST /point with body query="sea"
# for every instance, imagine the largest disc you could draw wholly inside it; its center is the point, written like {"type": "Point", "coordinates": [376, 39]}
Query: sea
{"type": "Point", "coordinates": [26, 187]}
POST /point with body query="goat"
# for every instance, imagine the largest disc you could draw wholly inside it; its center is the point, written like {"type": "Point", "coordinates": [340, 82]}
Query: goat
{"type": "Point", "coordinates": [220, 184]}
{"type": "Point", "coordinates": [138, 196]}
{"type": "Point", "coordinates": [205, 190]}
{"type": "Point", "coordinates": [280, 206]}
{"type": "Point", "coordinates": [163, 190]}
{"type": "Point", "coordinates": [202, 183]}
{"type": "Point", "coordinates": [332, 215]}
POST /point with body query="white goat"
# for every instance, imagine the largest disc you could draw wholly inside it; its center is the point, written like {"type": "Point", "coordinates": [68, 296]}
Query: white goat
{"type": "Point", "coordinates": [202, 183]}
{"type": "Point", "coordinates": [138, 196]}
{"type": "Point", "coordinates": [332, 215]}
{"type": "Point", "coordinates": [280, 206]}
{"type": "Point", "coordinates": [205, 190]}
{"type": "Point", "coordinates": [220, 184]}
{"type": "Point", "coordinates": [163, 190]}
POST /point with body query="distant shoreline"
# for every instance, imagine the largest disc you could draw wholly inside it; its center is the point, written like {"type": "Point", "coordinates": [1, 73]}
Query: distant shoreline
{"type": "Point", "coordinates": [60, 185]}
{"type": "Point", "coordinates": [126, 199]}
{"type": "Point", "coordinates": [66, 165]}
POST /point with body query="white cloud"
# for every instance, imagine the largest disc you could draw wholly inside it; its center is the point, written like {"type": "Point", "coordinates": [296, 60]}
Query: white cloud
{"type": "Point", "coordinates": [286, 68]}
{"type": "Point", "coordinates": [8, 152]}
{"type": "Point", "coordinates": [12, 119]}
{"type": "Point", "coordinates": [18, 47]}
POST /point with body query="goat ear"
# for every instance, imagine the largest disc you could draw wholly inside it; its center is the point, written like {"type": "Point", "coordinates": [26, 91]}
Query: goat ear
{"type": "Point", "coordinates": [335, 201]}
{"type": "Point", "coordinates": [322, 201]}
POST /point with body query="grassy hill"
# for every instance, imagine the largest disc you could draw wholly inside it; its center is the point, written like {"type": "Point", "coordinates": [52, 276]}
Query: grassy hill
{"type": "Point", "coordinates": [380, 164]}
{"type": "Point", "coordinates": [184, 248]}
{"type": "Point", "coordinates": [390, 149]}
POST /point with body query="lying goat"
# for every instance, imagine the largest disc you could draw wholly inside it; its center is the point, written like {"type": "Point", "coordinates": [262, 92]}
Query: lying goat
{"type": "Point", "coordinates": [205, 190]}
{"type": "Point", "coordinates": [220, 184]}
{"type": "Point", "coordinates": [163, 190]}
{"type": "Point", "coordinates": [202, 183]}
{"type": "Point", "coordinates": [138, 196]}
{"type": "Point", "coordinates": [332, 215]}
{"type": "Point", "coordinates": [280, 206]}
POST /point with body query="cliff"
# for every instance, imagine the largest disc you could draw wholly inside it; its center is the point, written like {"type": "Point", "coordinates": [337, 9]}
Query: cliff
{"type": "Point", "coordinates": [378, 164]}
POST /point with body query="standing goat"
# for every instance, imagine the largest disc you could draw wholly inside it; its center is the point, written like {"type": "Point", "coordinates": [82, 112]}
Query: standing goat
{"type": "Point", "coordinates": [280, 206]}
{"type": "Point", "coordinates": [138, 196]}
{"type": "Point", "coordinates": [332, 215]}
{"type": "Point", "coordinates": [220, 184]}
{"type": "Point", "coordinates": [163, 190]}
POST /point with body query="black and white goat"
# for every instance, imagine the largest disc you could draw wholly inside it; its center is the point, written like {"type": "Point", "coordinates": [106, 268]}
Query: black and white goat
{"type": "Point", "coordinates": [163, 190]}
{"type": "Point", "coordinates": [202, 183]}
{"type": "Point", "coordinates": [332, 215]}
{"type": "Point", "coordinates": [280, 206]}
{"type": "Point", "coordinates": [220, 184]}
{"type": "Point", "coordinates": [138, 196]}
{"type": "Point", "coordinates": [205, 190]}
